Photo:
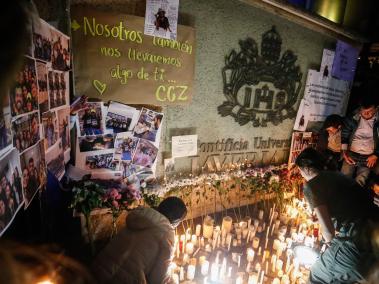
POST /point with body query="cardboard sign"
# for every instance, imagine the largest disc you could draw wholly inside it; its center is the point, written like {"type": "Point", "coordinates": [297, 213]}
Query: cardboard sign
{"type": "Point", "coordinates": [114, 60]}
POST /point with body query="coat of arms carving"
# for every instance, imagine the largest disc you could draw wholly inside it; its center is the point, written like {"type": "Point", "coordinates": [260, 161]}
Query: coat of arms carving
{"type": "Point", "coordinates": [261, 88]}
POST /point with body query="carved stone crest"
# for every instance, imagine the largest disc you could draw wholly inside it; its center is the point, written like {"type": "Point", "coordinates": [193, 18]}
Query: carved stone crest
{"type": "Point", "coordinates": [261, 88]}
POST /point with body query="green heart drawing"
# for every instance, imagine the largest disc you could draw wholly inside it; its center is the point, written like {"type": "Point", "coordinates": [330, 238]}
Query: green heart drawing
{"type": "Point", "coordinates": [99, 86]}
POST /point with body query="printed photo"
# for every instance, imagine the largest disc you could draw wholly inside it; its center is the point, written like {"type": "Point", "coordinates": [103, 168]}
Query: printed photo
{"type": "Point", "coordinates": [148, 124]}
{"type": "Point", "coordinates": [42, 87]}
{"type": "Point", "coordinates": [24, 93]}
{"type": "Point", "coordinates": [145, 154]}
{"type": "Point", "coordinates": [58, 88]}
{"type": "Point", "coordinates": [11, 198]}
{"type": "Point", "coordinates": [64, 127]}
{"type": "Point", "coordinates": [91, 119]}
{"type": "Point", "coordinates": [125, 147]}
{"type": "Point", "coordinates": [120, 117]}
{"type": "Point", "coordinates": [33, 171]}
{"type": "Point", "coordinates": [55, 161]}
{"type": "Point", "coordinates": [128, 168]}
{"type": "Point", "coordinates": [50, 129]}
{"type": "Point", "coordinates": [42, 40]}
{"type": "Point", "coordinates": [26, 132]}
{"type": "Point", "coordinates": [102, 161]}
{"type": "Point", "coordinates": [96, 142]}
{"type": "Point", "coordinates": [60, 56]}
{"type": "Point", "coordinates": [5, 128]}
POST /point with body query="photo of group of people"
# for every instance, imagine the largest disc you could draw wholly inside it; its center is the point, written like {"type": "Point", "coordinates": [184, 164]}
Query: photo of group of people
{"type": "Point", "coordinates": [42, 87]}
{"type": "Point", "coordinates": [58, 92]}
{"type": "Point", "coordinates": [33, 171]}
{"type": "Point", "coordinates": [24, 94]}
{"type": "Point", "coordinates": [125, 147]}
{"type": "Point", "coordinates": [96, 142]}
{"type": "Point", "coordinates": [91, 119]}
{"type": "Point", "coordinates": [26, 131]}
{"type": "Point", "coordinates": [50, 128]}
{"type": "Point", "coordinates": [5, 128]}
{"type": "Point", "coordinates": [148, 124]}
{"type": "Point", "coordinates": [55, 161]}
{"type": "Point", "coordinates": [120, 117]}
{"type": "Point", "coordinates": [51, 45]}
{"type": "Point", "coordinates": [11, 197]}
{"type": "Point", "coordinates": [102, 161]}
{"type": "Point", "coordinates": [145, 154]}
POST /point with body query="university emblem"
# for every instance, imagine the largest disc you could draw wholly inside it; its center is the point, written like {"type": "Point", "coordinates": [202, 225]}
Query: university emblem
{"type": "Point", "coordinates": [261, 88]}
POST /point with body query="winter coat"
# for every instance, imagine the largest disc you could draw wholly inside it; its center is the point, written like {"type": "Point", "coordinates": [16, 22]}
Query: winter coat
{"type": "Point", "coordinates": [140, 253]}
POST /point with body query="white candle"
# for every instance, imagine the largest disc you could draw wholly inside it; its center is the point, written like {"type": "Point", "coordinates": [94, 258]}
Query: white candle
{"type": "Point", "coordinates": [214, 271]}
{"type": "Point", "coordinates": [229, 272]}
{"type": "Point", "coordinates": [239, 280]}
{"type": "Point", "coordinates": [276, 281]}
{"type": "Point", "coordinates": [202, 242]}
{"type": "Point", "coordinates": [183, 241]}
{"type": "Point", "coordinates": [244, 233]}
{"type": "Point", "coordinates": [243, 225]}
{"type": "Point", "coordinates": [255, 242]}
{"type": "Point", "coordinates": [175, 278]}
{"type": "Point", "coordinates": [194, 240]}
{"type": "Point", "coordinates": [256, 223]}
{"type": "Point", "coordinates": [223, 270]}
{"type": "Point", "coordinates": [273, 263]}
{"type": "Point", "coordinates": [262, 277]}
{"type": "Point", "coordinates": [253, 279]}
{"type": "Point", "coordinates": [247, 219]}
{"type": "Point", "coordinates": [185, 258]}
{"type": "Point", "coordinates": [198, 230]}
{"type": "Point", "coordinates": [189, 248]}
{"type": "Point", "coordinates": [208, 227]}
{"type": "Point", "coordinates": [279, 264]}
{"type": "Point", "coordinates": [205, 267]}
{"type": "Point", "coordinates": [191, 272]}
{"type": "Point", "coordinates": [285, 279]}
{"type": "Point", "coordinates": [181, 274]}
{"type": "Point", "coordinates": [249, 254]}
{"type": "Point", "coordinates": [228, 240]}
{"type": "Point", "coordinates": [260, 214]}
{"type": "Point", "coordinates": [276, 244]}
{"type": "Point", "coordinates": [202, 259]}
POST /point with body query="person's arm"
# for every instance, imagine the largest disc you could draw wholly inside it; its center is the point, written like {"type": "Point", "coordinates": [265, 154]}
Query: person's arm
{"type": "Point", "coordinates": [159, 273]}
{"type": "Point", "coordinates": [327, 227]}
{"type": "Point", "coordinates": [346, 131]}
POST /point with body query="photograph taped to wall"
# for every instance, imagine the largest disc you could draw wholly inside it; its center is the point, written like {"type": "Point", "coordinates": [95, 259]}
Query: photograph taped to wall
{"type": "Point", "coordinates": [24, 93]}
{"type": "Point", "coordinates": [42, 40]}
{"type": "Point", "coordinates": [55, 161]}
{"type": "Point", "coordinates": [145, 154]}
{"type": "Point", "coordinates": [26, 131]}
{"type": "Point", "coordinates": [33, 171]}
{"type": "Point", "coordinates": [5, 127]}
{"type": "Point", "coordinates": [91, 119]}
{"type": "Point", "coordinates": [60, 52]}
{"type": "Point", "coordinates": [125, 146]}
{"type": "Point", "coordinates": [120, 117]}
{"type": "Point", "coordinates": [64, 127]}
{"type": "Point", "coordinates": [128, 168]}
{"type": "Point", "coordinates": [161, 18]}
{"type": "Point", "coordinates": [96, 142]}
{"type": "Point", "coordinates": [58, 89]}
{"type": "Point", "coordinates": [50, 129]}
{"type": "Point", "coordinates": [11, 198]}
{"type": "Point", "coordinates": [148, 124]}
{"type": "Point", "coordinates": [101, 161]}
{"type": "Point", "coordinates": [43, 99]}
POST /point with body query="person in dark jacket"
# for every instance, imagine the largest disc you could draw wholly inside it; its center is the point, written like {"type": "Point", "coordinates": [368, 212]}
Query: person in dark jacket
{"type": "Point", "coordinates": [344, 211]}
{"type": "Point", "coordinates": [329, 143]}
{"type": "Point", "coordinates": [141, 253]}
{"type": "Point", "coordinates": [359, 139]}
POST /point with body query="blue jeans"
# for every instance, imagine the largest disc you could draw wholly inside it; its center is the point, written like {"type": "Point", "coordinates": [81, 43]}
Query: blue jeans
{"type": "Point", "coordinates": [359, 168]}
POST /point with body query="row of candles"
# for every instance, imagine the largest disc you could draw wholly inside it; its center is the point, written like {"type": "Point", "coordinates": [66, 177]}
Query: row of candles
{"type": "Point", "coordinates": [258, 250]}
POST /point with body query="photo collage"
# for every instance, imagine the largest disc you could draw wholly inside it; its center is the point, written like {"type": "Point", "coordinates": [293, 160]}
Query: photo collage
{"type": "Point", "coordinates": [34, 124]}
{"type": "Point", "coordinates": [118, 139]}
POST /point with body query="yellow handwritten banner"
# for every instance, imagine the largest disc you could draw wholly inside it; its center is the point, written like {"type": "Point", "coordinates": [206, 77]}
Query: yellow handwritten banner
{"type": "Point", "coordinates": [114, 60]}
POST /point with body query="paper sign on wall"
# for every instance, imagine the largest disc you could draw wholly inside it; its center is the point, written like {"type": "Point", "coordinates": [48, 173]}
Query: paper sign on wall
{"type": "Point", "coordinates": [345, 61]}
{"type": "Point", "coordinates": [184, 146]}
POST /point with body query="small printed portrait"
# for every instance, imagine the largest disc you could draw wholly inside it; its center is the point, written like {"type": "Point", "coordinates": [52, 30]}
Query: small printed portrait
{"type": "Point", "coordinates": [24, 93]}
{"type": "Point", "coordinates": [55, 161]}
{"type": "Point", "coordinates": [161, 21]}
{"type": "Point", "coordinates": [5, 127]}
{"type": "Point", "coordinates": [60, 53]}
{"type": "Point", "coordinates": [102, 161]}
{"type": "Point", "coordinates": [120, 117]}
{"type": "Point", "coordinates": [148, 124]}
{"type": "Point", "coordinates": [58, 91]}
{"type": "Point", "coordinates": [64, 127]}
{"type": "Point", "coordinates": [50, 129]}
{"type": "Point", "coordinates": [145, 154]}
{"type": "Point", "coordinates": [125, 147]}
{"type": "Point", "coordinates": [96, 142]}
{"type": "Point", "coordinates": [42, 87]}
{"type": "Point", "coordinates": [26, 132]}
{"type": "Point", "coordinates": [91, 120]}
{"type": "Point", "coordinates": [31, 161]}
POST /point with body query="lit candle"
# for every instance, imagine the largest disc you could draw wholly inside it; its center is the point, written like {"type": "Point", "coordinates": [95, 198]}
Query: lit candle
{"type": "Point", "coordinates": [183, 242]}
{"type": "Point", "coordinates": [276, 244]}
{"type": "Point", "coordinates": [228, 240]}
{"type": "Point", "coordinates": [191, 272]}
{"type": "Point", "coordinates": [230, 272]}
{"type": "Point", "coordinates": [273, 262]}
{"type": "Point", "coordinates": [175, 278]}
{"type": "Point", "coordinates": [256, 223]}
{"type": "Point", "coordinates": [239, 280]}
{"type": "Point", "coordinates": [262, 277]}
{"type": "Point", "coordinates": [208, 227]}
{"type": "Point", "coordinates": [202, 242]}
{"type": "Point", "coordinates": [194, 240]}
{"type": "Point", "coordinates": [253, 279]}
{"type": "Point", "coordinates": [255, 242]}
{"type": "Point", "coordinates": [245, 232]}
{"type": "Point", "coordinates": [214, 271]}
{"type": "Point", "coordinates": [266, 254]}
{"type": "Point", "coordinates": [247, 219]}
{"type": "Point", "coordinates": [198, 230]}
{"type": "Point", "coordinates": [279, 264]}
{"type": "Point", "coordinates": [185, 258]}
{"type": "Point", "coordinates": [181, 273]}
{"type": "Point", "coordinates": [243, 225]}
{"type": "Point", "coordinates": [189, 248]}
{"type": "Point", "coordinates": [202, 259]}
{"type": "Point", "coordinates": [266, 268]}
{"type": "Point", "coordinates": [285, 279]}
{"type": "Point", "coordinates": [205, 267]}
{"type": "Point", "coordinates": [276, 281]}
{"type": "Point", "coordinates": [260, 214]}
{"type": "Point", "coordinates": [223, 270]}
{"type": "Point", "coordinates": [249, 254]}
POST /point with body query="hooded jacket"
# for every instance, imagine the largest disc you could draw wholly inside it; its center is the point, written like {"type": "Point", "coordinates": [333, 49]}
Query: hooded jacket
{"type": "Point", "coordinates": [140, 253]}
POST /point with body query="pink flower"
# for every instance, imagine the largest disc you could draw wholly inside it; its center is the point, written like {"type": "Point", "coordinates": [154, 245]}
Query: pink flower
{"type": "Point", "coordinates": [115, 204]}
